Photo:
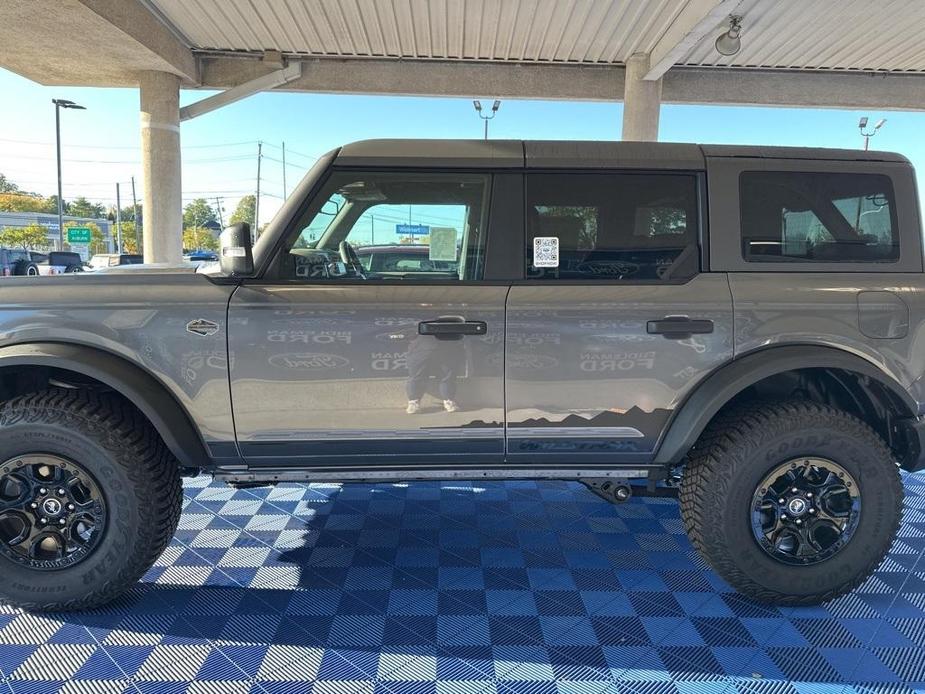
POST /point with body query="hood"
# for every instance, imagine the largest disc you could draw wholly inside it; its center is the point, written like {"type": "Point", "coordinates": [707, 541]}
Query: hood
{"type": "Point", "coordinates": [152, 268]}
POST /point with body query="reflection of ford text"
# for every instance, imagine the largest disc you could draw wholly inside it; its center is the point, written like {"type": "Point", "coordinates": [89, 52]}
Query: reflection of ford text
{"type": "Point", "coordinates": [289, 312]}
{"type": "Point", "coordinates": [604, 268]}
{"type": "Point", "coordinates": [391, 320]}
{"type": "Point", "coordinates": [535, 362]}
{"type": "Point", "coordinates": [534, 338]}
{"type": "Point", "coordinates": [310, 361]}
{"type": "Point", "coordinates": [389, 361]}
{"type": "Point", "coordinates": [321, 337]}
{"type": "Point", "coordinates": [598, 324]}
{"type": "Point", "coordinates": [626, 361]}
{"type": "Point", "coordinates": [393, 336]}
{"type": "Point", "coordinates": [194, 362]}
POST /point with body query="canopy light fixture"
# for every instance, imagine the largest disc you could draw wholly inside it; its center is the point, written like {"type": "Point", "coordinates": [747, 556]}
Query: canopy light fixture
{"type": "Point", "coordinates": [730, 42]}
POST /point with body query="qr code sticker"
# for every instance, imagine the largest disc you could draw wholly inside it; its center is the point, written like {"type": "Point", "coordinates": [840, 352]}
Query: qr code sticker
{"type": "Point", "coordinates": [545, 251]}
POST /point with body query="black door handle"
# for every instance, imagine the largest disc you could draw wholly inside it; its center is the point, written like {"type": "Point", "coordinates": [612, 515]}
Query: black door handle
{"type": "Point", "coordinates": [448, 327]}
{"type": "Point", "coordinates": [679, 327]}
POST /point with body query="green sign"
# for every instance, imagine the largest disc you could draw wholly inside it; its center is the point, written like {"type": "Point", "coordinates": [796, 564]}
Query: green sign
{"type": "Point", "coordinates": [78, 235]}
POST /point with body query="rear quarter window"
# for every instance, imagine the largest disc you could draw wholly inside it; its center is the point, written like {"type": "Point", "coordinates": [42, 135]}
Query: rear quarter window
{"type": "Point", "coordinates": [805, 217]}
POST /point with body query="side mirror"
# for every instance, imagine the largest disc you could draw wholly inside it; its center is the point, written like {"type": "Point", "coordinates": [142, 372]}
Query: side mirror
{"type": "Point", "coordinates": [235, 256]}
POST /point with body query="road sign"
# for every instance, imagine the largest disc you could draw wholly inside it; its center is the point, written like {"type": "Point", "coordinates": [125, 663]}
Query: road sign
{"type": "Point", "coordinates": [412, 229]}
{"type": "Point", "coordinates": [78, 235]}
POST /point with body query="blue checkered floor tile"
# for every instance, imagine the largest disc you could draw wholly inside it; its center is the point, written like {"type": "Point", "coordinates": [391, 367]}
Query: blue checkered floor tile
{"type": "Point", "coordinates": [463, 588]}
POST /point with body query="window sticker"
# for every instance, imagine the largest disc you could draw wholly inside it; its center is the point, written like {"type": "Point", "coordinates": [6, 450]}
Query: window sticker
{"type": "Point", "coordinates": [545, 251]}
{"type": "Point", "coordinates": [442, 244]}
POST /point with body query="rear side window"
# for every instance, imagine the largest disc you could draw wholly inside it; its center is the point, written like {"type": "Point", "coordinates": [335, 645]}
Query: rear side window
{"type": "Point", "coordinates": [817, 217]}
{"type": "Point", "coordinates": [603, 226]}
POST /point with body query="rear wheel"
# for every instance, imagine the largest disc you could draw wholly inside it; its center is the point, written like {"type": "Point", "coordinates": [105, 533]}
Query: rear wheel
{"type": "Point", "coordinates": [791, 503]}
{"type": "Point", "coordinates": [89, 498]}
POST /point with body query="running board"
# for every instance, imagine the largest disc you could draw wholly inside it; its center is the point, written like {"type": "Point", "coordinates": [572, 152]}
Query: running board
{"type": "Point", "coordinates": [266, 477]}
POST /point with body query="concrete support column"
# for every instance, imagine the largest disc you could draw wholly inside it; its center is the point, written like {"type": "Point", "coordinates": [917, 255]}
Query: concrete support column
{"type": "Point", "coordinates": [162, 215]}
{"type": "Point", "coordinates": [641, 101]}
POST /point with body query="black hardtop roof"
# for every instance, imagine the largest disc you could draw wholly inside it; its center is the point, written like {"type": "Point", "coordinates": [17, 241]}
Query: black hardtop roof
{"type": "Point", "coordinates": [517, 154]}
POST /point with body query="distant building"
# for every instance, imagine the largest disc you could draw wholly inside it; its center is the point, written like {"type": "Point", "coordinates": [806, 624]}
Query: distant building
{"type": "Point", "coordinates": [50, 221]}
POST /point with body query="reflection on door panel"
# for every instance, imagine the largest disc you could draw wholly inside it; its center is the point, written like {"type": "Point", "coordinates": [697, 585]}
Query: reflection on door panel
{"type": "Point", "coordinates": [583, 373]}
{"type": "Point", "coordinates": [327, 371]}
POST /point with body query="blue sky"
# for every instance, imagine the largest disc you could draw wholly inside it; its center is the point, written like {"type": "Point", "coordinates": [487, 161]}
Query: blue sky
{"type": "Point", "coordinates": [101, 144]}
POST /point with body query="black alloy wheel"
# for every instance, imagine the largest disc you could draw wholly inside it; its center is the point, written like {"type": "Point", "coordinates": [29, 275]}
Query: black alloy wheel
{"type": "Point", "coordinates": [52, 512]}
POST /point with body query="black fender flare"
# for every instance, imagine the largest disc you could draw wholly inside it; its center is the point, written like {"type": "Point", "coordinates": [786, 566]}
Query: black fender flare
{"type": "Point", "coordinates": [145, 392]}
{"type": "Point", "coordinates": [696, 412]}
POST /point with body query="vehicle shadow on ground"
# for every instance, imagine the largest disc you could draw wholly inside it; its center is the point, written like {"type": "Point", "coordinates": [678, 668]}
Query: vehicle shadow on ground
{"type": "Point", "coordinates": [516, 581]}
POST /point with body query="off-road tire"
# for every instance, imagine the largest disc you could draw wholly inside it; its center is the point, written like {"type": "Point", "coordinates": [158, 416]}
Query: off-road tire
{"type": "Point", "coordinates": [138, 477]}
{"type": "Point", "coordinates": [732, 457]}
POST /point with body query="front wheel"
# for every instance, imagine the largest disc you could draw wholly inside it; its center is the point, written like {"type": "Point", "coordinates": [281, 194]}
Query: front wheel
{"type": "Point", "coordinates": [89, 498]}
{"type": "Point", "coordinates": [791, 503]}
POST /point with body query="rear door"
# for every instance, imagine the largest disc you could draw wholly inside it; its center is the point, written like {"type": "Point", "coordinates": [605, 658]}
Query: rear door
{"type": "Point", "coordinates": [340, 360]}
{"type": "Point", "coordinates": [616, 320]}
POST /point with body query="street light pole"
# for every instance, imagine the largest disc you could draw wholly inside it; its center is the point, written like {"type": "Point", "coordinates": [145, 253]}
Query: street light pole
{"type": "Point", "coordinates": [870, 133]}
{"type": "Point", "coordinates": [59, 104]}
{"type": "Point", "coordinates": [494, 109]}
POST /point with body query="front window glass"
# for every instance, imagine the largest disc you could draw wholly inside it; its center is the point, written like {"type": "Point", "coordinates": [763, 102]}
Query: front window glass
{"type": "Point", "coordinates": [392, 226]}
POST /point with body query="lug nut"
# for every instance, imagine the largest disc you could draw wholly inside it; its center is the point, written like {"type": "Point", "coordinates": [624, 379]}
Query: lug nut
{"type": "Point", "coordinates": [809, 495]}
{"type": "Point", "coordinates": [43, 521]}
{"type": "Point", "coordinates": [780, 501]}
{"type": "Point", "coordinates": [70, 507]}
{"type": "Point", "coordinates": [61, 521]}
{"type": "Point", "coordinates": [798, 521]}
{"type": "Point", "coordinates": [812, 510]}
{"type": "Point", "coordinates": [43, 491]}
{"type": "Point", "coordinates": [61, 492]}
{"type": "Point", "coordinates": [783, 516]}
{"type": "Point", "coordinates": [33, 505]}
{"type": "Point", "coordinates": [794, 490]}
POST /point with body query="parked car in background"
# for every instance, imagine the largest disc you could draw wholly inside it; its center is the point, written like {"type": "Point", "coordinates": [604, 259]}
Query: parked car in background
{"type": "Point", "coordinates": [402, 259]}
{"type": "Point", "coordinates": [113, 259]}
{"type": "Point", "coordinates": [57, 262]}
{"type": "Point", "coordinates": [17, 261]}
{"type": "Point", "coordinates": [200, 256]}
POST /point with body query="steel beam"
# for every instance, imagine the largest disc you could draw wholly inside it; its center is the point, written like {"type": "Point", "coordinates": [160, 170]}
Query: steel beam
{"type": "Point", "coordinates": [277, 78]}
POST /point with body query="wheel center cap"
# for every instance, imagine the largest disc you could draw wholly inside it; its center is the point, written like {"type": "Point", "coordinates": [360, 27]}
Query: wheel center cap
{"type": "Point", "coordinates": [797, 506]}
{"type": "Point", "coordinates": [52, 507]}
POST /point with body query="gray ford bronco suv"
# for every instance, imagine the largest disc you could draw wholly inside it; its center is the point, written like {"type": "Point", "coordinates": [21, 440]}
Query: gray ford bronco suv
{"type": "Point", "coordinates": [744, 326]}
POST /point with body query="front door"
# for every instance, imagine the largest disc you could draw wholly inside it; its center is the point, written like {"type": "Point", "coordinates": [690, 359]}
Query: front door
{"type": "Point", "coordinates": [615, 323]}
{"type": "Point", "coordinates": [371, 341]}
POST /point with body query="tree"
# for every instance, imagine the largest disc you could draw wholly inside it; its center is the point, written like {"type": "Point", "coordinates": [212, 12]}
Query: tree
{"type": "Point", "coordinates": [129, 237]}
{"type": "Point", "coordinates": [81, 207]}
{"type": "Point", "coordinates": [198, 213]}
{"type": "Point", "coordinates": [245, 211]}
{"type": "Point", "coordinates": [7, 186]}
{"type": "Point", "coordinates": [33, 236]}
{"type": "Point", "coordinates": [21, 202]}
{"type": "Point", "coordinates": [199, 238]}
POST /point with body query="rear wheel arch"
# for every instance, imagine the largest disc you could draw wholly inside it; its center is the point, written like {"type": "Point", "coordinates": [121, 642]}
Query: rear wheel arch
{"type": "Point", "coordinates": [165, 413]}
{"type": "Point", "coordinates": [730, 383]}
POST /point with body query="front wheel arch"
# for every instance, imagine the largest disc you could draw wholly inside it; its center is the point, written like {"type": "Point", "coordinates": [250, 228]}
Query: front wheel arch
{"type": "Point", "coordinates": [729, 382]}
{"type": "Point", "coordinates": [168, 417]}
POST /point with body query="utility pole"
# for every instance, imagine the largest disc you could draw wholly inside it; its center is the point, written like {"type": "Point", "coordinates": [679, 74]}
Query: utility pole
{"type": "Point", "coordinates": [118, 220]}
{"type": "Point", "coordinates": [372, 231]}
{"type": "Point", "coordinates": [285, 195]}
{"type": "Point", "coordinates": [218, 206]}
{"type": "Point", "coordinates": [257, 199]}
{"type": "Point", "coordinates": [137, 218]}
{"type": "Point", "coordinates": [59, 104]}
